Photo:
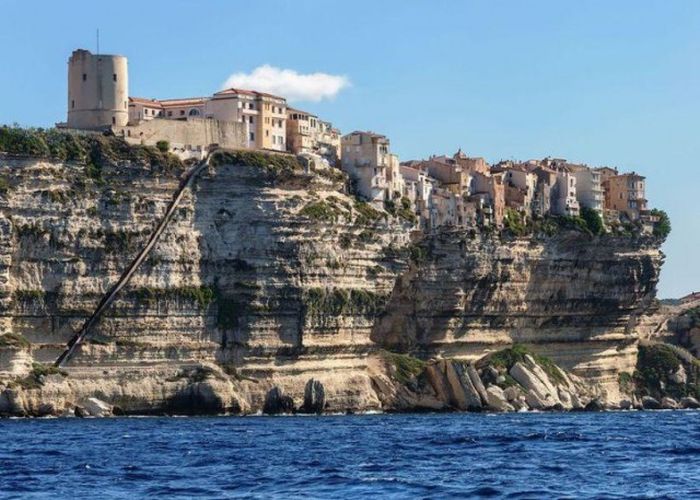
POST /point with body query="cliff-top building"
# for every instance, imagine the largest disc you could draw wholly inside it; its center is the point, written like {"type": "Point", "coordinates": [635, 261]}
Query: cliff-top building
{"type": "Point", "coordinates": [98, 90]}
{"type": "Point", "coordinates": [366, 158]}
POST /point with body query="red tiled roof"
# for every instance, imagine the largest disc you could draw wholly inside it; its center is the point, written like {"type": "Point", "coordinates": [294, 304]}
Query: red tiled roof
{"type": "Point", "coordinates": [151, 103]}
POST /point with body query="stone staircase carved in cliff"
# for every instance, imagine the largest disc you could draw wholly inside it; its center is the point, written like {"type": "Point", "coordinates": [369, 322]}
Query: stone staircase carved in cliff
{"type": "Point", "coordinates": [109, 297]}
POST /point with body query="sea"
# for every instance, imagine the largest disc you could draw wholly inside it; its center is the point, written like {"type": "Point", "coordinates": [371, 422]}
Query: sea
{"type": "Point", "coordinates": [523, 455]}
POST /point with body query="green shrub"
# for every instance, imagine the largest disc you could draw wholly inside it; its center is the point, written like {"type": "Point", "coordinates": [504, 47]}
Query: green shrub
{"type": "Point", "coordinates": [28, 295]}
{"type": "Point", "coordinates": [593, 220]}
{"type": "Point", "coordinates": [320, 211]}
{"type": "Point", "coordinates": [366, 213]}
{"type": "Point", "coordinates": [35, 379]}
{"type": "Point", "coordinates": [625, 381]}
{"type": "Point", "coordinates": [572, 222]}
{"type": "Point", "coordinates": [506, 358]}
{"type": "Point", "coordinates": [662, 228]}
{"type": "Point", "coordinates": [513, 222]}
{"type": "Point", "coordinates": [406, 366]}
{"type": "Point", "coordinates": [163, 146]}
{"type": "Point", "coordinates": [13, 340]}
{"type": "Point", "coordinates": [333, 302]}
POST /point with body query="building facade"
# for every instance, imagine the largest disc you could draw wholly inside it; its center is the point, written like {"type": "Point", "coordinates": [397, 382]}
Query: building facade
{"type": "Point", "coordinates": [366, 157]}
{"type": "Point", "coordinates": [627, 194]}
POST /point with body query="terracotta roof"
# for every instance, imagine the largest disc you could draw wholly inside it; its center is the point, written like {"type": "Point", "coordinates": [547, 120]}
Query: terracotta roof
{"type": "Point", "coordinates": [152, 103]}
{"type": "Point", "coordinates": [234, 91]}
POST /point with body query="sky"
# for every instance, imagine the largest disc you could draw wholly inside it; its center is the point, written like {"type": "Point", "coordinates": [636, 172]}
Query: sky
{"type": "Point", "coordinates": [597, 82]}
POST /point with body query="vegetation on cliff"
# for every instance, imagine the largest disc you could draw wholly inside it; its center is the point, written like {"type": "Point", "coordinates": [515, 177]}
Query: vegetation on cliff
{"type": "Point", "coordinates": [518, 353]}
{"type": "Point", "coordinates": [13, 340]}
{"type": "Point", "coordinates": [93, 150]}
{"type": "Point", "coordinates": [666, 370]}
{"type": "Point", "coordinates": [329, 302]}
{"type": "Point", "coordinates": [274, 165]}
{"type": "Point", "coordinates": [662, 228]}
{"type": "Point", "coordinates": [405, 366]}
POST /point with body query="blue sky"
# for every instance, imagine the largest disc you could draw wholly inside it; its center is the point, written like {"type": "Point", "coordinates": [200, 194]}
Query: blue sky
{"type": "Point", "coordinates": [600, 82]}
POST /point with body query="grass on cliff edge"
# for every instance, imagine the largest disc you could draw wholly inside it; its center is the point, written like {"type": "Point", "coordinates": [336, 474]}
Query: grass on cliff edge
{"type": "Point", "coordinates": [406, 366]}
{"type": "Point", "coordinates": [506, 358]}
{"type": "Point", "coordinates": [274, 164]}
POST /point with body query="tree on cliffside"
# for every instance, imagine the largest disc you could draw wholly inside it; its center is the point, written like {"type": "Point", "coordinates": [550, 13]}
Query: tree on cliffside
{"type": "Point", "coordinates": [663, 227]}
{"type": "Point", "coordinates": [593, 220]}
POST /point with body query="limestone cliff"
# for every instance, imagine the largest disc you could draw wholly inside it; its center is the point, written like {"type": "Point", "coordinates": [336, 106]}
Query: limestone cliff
{"type": "Point", "coordinates": [272, 288]}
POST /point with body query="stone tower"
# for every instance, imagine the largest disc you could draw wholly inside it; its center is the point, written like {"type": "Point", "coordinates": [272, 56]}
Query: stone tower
{"type": "Point", "coordinates": [98, 90]}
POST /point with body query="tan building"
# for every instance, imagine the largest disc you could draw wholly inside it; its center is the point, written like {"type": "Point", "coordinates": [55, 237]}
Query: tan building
{"type": "Point", "coordinates": [489, 192]}
{"type": "Point", "coordinates": [471, 165]}
{"type": "Point", "coordinates": [448, 172]}
{"type": "Point", "coordinates": [366, 158]}
{"type": "Point", "coordinates": [329, 142]}
{"type": "Point", "coordinates": [265, 115]}
{"type": "Point", "coordinates": [98, 90]}
{"type": "Point", "coordinates": [302, 131]}
{"type": "Point", "coordinates": [605, 174]}
{"type": "Point", "coordinates": [182, 109]}
{"type": "Point", "coordinates": [627, 194]}
{"type": "Point", "coordinates": [144, 109]}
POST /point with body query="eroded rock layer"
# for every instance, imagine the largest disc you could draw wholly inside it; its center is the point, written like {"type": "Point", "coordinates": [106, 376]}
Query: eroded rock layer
{"type": "Point", "coordinates": [270, 279]}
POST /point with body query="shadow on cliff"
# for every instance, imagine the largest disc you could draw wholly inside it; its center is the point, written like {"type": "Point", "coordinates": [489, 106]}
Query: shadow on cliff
{"type": "Point", "coordinates": [244, 258]}
{"type": "Point", "coordinates": [447, 291]}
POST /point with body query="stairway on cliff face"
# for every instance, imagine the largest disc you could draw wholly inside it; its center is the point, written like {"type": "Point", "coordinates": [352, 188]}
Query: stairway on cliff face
{"type": "Point", "coordinates": [109, 297]}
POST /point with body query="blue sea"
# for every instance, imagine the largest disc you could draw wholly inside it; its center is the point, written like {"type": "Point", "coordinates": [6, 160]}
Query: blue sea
{"type": "Point", "coordinates": [593, 455]}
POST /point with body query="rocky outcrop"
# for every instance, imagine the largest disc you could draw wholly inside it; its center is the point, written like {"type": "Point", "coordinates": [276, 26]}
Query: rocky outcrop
{"type": "Point", "coordinates": [522, 381]}
{"type": "Point", "coordinates": [271, 276]}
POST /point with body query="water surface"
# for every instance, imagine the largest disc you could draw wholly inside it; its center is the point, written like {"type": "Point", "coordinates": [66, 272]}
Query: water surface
{"type": "Point", "coordinates": [640, 454]}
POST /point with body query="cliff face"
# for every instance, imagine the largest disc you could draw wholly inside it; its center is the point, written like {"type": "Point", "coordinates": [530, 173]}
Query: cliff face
{"type": "Point", "coordinates": [576, 297]}
{"type": "Point", "coordinates": [269, 277]}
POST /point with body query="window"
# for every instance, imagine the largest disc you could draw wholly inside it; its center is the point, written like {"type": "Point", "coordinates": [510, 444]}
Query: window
{"type": "Point", "coordinates": [114, 121]}
{"type": "Point", "coordinates": [250, 105]}
{"type": "Point", "coordinates": [194, 112]}
{"type": "Point", "coordinates": [250, 119]}
{"type": "Point", "coordinates": [114, 77]}
{"type": "Point", "coordinates": [170, 113]}
{"type": "Point", "coordinates": [72, 104]}
{"type": "Point", "coordinates": [84, 77]}
{"type": "Point", "coordinates": [267, 133]}
{"type": "Point", "coordinates": [182, 112]}
{"type": "Point", "coordinates": [252, 136]}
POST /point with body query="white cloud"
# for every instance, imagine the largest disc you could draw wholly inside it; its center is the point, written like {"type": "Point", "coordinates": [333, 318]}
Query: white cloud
{"type": "Point", "coordinates": [288, 83]}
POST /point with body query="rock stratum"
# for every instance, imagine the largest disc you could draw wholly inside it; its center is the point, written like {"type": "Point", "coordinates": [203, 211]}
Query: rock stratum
{"type": "Point", "coordinates": [273, 290]}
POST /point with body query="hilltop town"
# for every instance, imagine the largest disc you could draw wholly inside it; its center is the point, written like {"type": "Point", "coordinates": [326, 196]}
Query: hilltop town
{"type": "Point", "coordinates": [447, 190]}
